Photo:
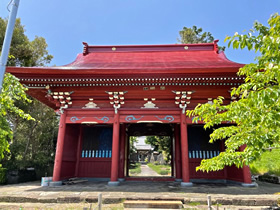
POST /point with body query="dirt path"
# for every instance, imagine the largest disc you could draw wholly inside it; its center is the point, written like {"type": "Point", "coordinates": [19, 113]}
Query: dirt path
{"type": "Point", "coordinates": [147, 171]}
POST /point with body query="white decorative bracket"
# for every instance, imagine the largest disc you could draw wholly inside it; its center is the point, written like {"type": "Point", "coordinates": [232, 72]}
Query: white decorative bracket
{"type": "Point", "coordinates": [183, 98]}
{"type": "Point", "coordinates": [116, 99]}
{"type": "Point", "coordinates": [61, 99]}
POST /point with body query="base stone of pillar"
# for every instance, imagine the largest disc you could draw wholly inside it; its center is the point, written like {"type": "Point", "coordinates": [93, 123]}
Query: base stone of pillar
{"type": "Point", "coordinates": [55, 184]}
{"type": "Point", "coordinates": [253, 184]}
{"type": "Point", "coordinates": [178, 180]}
{"type": "Point", "coordinates": [116, 183]}
{"type": "Point", "coordinates": [186, 184]}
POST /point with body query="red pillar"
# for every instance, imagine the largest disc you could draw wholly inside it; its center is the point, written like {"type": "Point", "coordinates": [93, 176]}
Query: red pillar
{"type": "Point", "coordinates": [246, 171]}
{"type": "Point", "coordinates": [115, 151]}
{"type": "Point", "coordinates": [59, 148]}
{"type": "Point", "coordinates": [122, 151]}
{"type": "Point", "coordinates": [178, 166]}
{"type": "Point", "coordinates": [246, 175]}
{"type": "Point", "coordinates": [185, 152]}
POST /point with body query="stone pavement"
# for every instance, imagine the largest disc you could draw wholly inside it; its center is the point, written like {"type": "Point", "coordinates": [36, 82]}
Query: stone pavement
{"type": "Point", "coordinates": [266, 194]}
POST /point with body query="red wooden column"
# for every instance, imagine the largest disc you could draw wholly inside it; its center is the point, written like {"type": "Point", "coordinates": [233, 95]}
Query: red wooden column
{"type": "Point", "coordinates": [115, 152]}
{"type": "Point", "coordinates": [185, 152]}
{"type": "Point", "coordinates": [178, 166]}
{"type": "Point", "coordinates": [59, 150]}
{"type": "Point", "coordinates": [122, 152]}
{"type": "Point", "coordinates": [247, 181]}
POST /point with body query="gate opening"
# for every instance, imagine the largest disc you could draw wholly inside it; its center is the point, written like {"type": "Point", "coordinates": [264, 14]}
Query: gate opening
{"type": "Point", "coordinates": [150, 150]}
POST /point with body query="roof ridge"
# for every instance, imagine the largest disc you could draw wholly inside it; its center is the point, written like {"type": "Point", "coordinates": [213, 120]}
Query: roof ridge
{"type": "Point", "coordinates": [145, 48]}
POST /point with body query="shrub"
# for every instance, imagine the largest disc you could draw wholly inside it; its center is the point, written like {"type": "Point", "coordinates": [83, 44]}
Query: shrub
{"type": "Point", "coordinates": [163, 172]}
{"type": "Point", "coordinates": [26, 176]}
{"type": "Point", "coordinates": [160, 169]}
{"type": "Point", "coordinates": [3, 177]}
{"type": "Point", "coordinates": [134, 168]}
{"type": "Point", "coordinates": [269, 162]}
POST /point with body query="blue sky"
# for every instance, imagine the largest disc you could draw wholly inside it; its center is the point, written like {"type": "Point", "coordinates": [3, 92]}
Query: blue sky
{"type": "Point", "coordinates": [65, 24]}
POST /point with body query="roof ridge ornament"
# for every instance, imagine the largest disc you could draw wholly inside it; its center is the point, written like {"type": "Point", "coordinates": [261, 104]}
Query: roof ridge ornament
{"type": "Point", "coordinates": [216, 47]}
{"type": "Point", "coordinates": [85, 50]}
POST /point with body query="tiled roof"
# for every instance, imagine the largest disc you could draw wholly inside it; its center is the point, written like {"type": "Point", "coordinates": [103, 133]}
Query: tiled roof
{"type": "Point", "coordinates": [148, 57]}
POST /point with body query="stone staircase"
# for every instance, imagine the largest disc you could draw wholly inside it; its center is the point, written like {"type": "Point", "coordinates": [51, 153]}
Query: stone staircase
{"type": "Point", "coordinates": [152, 204]}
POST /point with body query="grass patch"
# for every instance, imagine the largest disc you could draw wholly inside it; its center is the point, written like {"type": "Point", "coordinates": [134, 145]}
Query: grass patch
{"type": "Point", "coordinates": [193, 203]}
{"type": "Point", "coordinates": [134, 168]}
{"type": "Point", "coordinates": [160, 169]}
{"type": "Point", "coordinates": [269, 162]}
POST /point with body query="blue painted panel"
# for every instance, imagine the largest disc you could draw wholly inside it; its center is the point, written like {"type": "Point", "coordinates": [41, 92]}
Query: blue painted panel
{"type": "Point", "coordinates": [97, 142]}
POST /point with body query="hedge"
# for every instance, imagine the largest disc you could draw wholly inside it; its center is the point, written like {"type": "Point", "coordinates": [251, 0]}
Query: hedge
{"type": "Point", "coordinates": [3, 177]}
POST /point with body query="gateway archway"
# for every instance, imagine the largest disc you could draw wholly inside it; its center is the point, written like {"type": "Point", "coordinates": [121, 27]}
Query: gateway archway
{"type": "Point", "coordinates": [122, 87]}
{"type": "Point", "coordinates": [150, 150]}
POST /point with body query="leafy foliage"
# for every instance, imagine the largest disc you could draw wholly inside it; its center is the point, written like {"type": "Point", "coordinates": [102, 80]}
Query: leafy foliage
{"type": "Point", "coordinates": [194, 35]}
{"type": "Point", "coordinates": [25, 142]}
{"type": "Point", "coordinates": [12, 91]}
{"type": "Point", "coordinates": [162, 144]}
{"type": "Point", "coordinates": [160, 169]}
{"type": "Point", "coordinates": [33, 141]}
{"type": "Point", "coordinates": [268, 163]}
{"type": "Point", "coordinates": [134, 168]}
{"type": "Point", "coordinates": [256, 116]}
{"type": "Point", "coordinates": [24, 51]}
{"type": "Point", "coordinates": [3, 176]}
{"type": "Point", "coordinates": [132, 141]}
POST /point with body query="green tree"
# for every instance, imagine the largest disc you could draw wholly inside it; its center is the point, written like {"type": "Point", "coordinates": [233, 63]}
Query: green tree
{"type": "Point", "coordinates": [132, 141]}
{"type": "Point", "coordinates": [161, 144]}
{"type": "Point", "coordinates": [25, 52]}
{"type": "Point", "coordinates": [195, 35]}
{"type": "Point", "coordinates": [33, 141]}
{"type": "Point", "coordinates": [12, 91]}
{"type": "Point", "coordinates": [256, 115]}
{"type": "Point", "coordinates": [30, 142]}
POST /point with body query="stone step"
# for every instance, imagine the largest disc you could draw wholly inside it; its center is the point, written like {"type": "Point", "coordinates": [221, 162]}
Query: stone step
{"type": "Point", "coordinates": [146, 204]}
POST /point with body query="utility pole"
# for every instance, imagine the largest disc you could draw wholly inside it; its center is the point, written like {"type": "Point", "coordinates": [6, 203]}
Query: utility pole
{"type": "Point", "coordinates": [7, 40]}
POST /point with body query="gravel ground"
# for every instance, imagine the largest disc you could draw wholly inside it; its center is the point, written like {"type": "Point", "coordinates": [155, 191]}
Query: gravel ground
{"type": "Point", "coordinates": [58, 206]}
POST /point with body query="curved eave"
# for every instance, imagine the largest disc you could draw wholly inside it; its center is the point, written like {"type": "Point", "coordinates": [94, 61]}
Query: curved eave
{"type": "Point", "coordinates": [19, 71]}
